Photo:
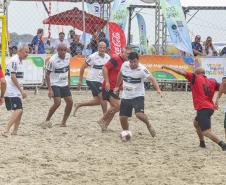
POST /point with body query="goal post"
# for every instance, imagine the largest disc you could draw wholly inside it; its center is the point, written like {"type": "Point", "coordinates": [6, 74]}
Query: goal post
{"type": "Point", "coordinates": [4, 42]}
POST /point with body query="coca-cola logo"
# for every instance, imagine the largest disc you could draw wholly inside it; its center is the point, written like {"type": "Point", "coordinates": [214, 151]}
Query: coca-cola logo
{"type": "Point", "coordinates": [116, 41]}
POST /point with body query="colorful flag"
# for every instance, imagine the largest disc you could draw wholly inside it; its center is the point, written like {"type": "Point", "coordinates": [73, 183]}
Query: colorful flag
{"type": "Point", "coordinates": [142, 33]}
{"type": "Point", "coordinates": [120, 12]}
{"type": "Point", "coordinates": [117, 38]}
{"type": "Point", "coordinates": [176, 24]}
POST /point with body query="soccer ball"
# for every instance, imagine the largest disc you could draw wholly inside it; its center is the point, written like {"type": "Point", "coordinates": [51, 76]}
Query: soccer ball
{"type": "Point", "coordinates": [126, 135]}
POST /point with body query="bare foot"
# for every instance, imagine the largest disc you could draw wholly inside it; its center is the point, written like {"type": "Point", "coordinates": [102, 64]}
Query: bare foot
{"type": "Point", "coordinates": [102, 125]}
{"type": "Point", "coordinates": [14, 133]}
{"type": "Point", "coordinates": [63, 125]}
{"type": "Point", "coordinates": [151, 130]}
{"type": "Point", "coordinates": [76, 109]}
{"type": "Point", "coordinates": [5, 134]}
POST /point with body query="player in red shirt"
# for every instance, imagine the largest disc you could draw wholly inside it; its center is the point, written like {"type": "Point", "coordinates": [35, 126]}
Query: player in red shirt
{"type": "Point", "coordinates": [203, 90]}
{"type": "Point", "coordinates": [2, 85]}
{"type": "Point", "coordinates": [110, 73]}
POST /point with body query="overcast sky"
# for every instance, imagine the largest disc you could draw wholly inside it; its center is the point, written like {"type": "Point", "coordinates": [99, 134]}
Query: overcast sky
{"type": "Point", "coordinates": [27, 17]}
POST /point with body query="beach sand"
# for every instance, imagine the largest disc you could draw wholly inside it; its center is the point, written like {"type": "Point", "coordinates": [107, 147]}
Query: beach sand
{"type": "Point", "coordinates": [81, 154]}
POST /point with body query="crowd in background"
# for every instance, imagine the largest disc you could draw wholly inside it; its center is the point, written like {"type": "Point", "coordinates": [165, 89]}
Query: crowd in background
{"type": "Point", "coordinates": [38, 45]}
{"type": "Point", "coordinates": [73, 43]}
{"type": "Point", "coordinates": [207, 48]}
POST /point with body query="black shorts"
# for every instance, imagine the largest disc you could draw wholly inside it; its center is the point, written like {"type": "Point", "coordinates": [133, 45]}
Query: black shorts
{"type": "Point", "coordinates": [13, 103]}
{"type": "Point", "coordinates": [203, 118]}
{"type": "Point", "coordinates": [95, 87]}
{"type": "Point", "coordinates": [127, 106]}
{"type": "Point", "coordinates": [107, 94]}
{"type": "Point", "coordinates": [61, 91]}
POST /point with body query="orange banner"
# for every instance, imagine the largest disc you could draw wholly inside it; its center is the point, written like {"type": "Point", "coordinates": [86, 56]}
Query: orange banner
{"type": "Point", "coordinates": [153, 63]}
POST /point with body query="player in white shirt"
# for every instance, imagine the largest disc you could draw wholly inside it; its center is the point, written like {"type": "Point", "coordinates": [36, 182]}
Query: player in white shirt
{"type": "Point", "coordinates": [14, 92]}
{"type": "Point", "coordinates": [94, 79]}
{"type": "Point", "coordinates": [132, 74]}
{"type": "Point", "coordinates": [58, 81]}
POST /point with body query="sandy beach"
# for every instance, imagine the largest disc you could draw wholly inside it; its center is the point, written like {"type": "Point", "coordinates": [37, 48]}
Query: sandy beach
{"type": "Point", "coordinates": [81, 154]}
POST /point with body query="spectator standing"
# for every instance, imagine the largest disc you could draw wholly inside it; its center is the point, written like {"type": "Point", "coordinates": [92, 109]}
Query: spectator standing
{"type": "Point", "coordinates": [94, 43]}
{"type": "Point", "coordinates": [102, 38]}
{"type": "Point", "coordinates": [197, 47]}
{"type": "Point", "coordinates": [76, 47]}
{"type": "Point", "coordinates": [37, 42]}
{"type": "Point", "coordinates": [62, 40]}
{"type": "Point", "coordinates": [209, 50]}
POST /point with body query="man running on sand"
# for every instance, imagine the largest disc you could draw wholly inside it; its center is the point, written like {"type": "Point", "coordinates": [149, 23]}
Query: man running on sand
{"type": "Point", "coordinates": [94, 79]}
{"type": "Point", "coordinates": [14, 92]}
{"type": "Point", "coordinates": [132, 74]}
{"type": "Point", "coordinates": [203, 90]}
{"type": "Point", "coordinates": [2, 85]}
{"type": "Point", "coordinates": [110, 73]}
{"type": "Point", "coordinates": [58, 83]}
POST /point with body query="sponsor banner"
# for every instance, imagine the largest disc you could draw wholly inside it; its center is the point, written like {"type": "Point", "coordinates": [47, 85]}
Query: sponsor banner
{"type": "Point", "coordinates": [142, 33]}
{"type": "Point", "coordinates": [33, 69]}
{"type": "Point", "coordinates": [117, 38]}
{"type": "Point", "coordinates": [215, 67]}
{"type": "Point", "coordinates": [153, 63]}
{"type": "Point", "coordinates": [176, 24]}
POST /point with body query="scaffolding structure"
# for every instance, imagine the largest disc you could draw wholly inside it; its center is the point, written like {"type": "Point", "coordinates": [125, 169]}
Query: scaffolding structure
{"type": "Point", "coordinates": [160, 43]}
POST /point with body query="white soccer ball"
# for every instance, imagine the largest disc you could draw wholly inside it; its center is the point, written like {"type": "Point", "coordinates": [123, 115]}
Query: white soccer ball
{"type": "Point", "coordinates": [126, 135]}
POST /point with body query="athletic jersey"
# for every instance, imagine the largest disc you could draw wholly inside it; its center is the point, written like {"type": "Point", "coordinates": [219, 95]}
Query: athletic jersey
{"type": "Point", "coordinates": [113, 66]}
{"type": "Point", "coordinates": [14, 65]}
{"type": "Point", "coordinates": [1, 72]}
{"type": "Point", "coordinates": [203, 90]}
{"type": "Point", "coordinates": [95, 63]}
{"type": "Point", "coordinates": [133, 80]}
{"type": "Point", "coordinates": [59, 70]}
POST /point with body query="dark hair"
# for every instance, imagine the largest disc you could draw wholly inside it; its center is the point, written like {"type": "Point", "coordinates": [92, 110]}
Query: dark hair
{"type": "Point", "coordinates": [14, 47]}
{"type": "Point", "coordinates": [224, 78]}
{"type": "Point", "coordinates": [133, 55]}
{"type": "Point", "coordinates": [40, 30]}
{"type": "Point", "coordinates": [61, 33]}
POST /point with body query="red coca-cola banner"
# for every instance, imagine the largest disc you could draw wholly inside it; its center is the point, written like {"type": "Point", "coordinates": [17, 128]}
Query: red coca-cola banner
{"type": "Point", "coordinates": [117, 38]}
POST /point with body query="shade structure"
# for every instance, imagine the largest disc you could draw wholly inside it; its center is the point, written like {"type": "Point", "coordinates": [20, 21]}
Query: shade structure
{"type": "Point", "coordinates": [74, 18]}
